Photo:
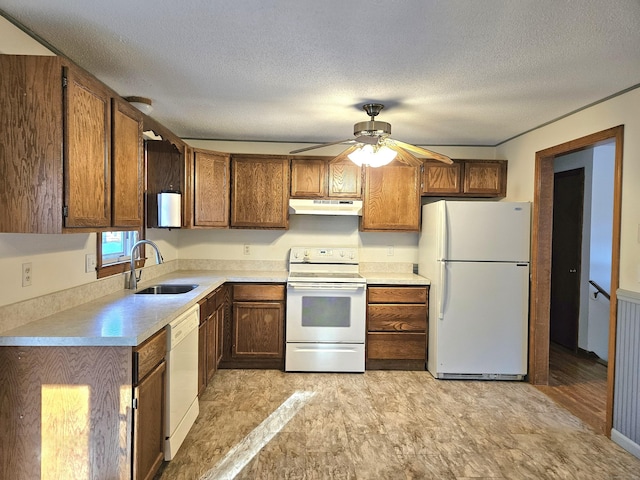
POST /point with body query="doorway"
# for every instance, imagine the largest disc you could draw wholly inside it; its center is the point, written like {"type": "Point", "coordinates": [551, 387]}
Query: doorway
{"type": "Point", "coordinates": [541, 257]}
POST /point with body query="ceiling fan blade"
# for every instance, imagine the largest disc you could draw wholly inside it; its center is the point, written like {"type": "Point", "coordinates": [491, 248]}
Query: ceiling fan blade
{"type": "Point", "coordinates": [423, 151]}
{"type": "Point", "coordinates": [349, 140]}
{"type": "Point", "coordinates": [343, 155]}
{"type": "Point", "coordinates": [406, 158]}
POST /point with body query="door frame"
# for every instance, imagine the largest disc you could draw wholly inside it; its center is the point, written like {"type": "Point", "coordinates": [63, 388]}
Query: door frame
{"type": "Point", "coordinates": [542, 223]}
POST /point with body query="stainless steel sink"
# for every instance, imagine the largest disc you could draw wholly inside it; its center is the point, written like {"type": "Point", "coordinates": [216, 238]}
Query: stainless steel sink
{"type": "Point", "coordinates": [166, 289]}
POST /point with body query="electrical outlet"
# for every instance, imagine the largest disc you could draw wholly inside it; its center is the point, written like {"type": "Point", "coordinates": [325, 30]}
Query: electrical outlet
{"type": "Point", "coordinates": [27, 272]}
{"type": "Point", "coordinates": [90, 262]}
{"type": "Point", "coordinates": [247, 249]}
{"type": "Point", "coordinates": [390, 250]}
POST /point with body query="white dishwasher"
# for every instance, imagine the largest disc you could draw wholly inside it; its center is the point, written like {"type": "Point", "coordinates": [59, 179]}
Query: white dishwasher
{"type": "Point", "coordinates": [181, 408]}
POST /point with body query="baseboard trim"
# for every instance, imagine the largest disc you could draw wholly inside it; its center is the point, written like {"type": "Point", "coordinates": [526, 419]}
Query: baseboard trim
{"type": "Point", "coordinates": [629, 445]}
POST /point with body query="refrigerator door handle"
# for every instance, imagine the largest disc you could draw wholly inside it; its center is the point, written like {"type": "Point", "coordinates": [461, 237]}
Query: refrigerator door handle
{"type": "Point", "coordinates": [444, 238]}
{"type": "Point", "coordinates": [443, 289]}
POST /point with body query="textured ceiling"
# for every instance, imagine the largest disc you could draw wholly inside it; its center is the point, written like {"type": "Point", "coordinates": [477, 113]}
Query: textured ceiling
{"type": "Point", "coordinates": [455, 72]}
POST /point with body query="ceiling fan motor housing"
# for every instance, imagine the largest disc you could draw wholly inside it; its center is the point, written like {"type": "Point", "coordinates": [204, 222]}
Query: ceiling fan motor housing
{"type": "Point", "coordinates": [372, 128]}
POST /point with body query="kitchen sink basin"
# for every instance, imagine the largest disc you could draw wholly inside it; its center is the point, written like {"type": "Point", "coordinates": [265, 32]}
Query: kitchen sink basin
{"type": "Point", "coordinates": [166, 289]}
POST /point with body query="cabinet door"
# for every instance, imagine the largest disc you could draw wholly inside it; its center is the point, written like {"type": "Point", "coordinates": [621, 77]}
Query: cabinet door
{"type": "Point", "coordinates": [485, 178]}
{"type": "Point", "coordinates": [211, 189]}
{"type": "Point", "coordinates": [87, 161]}
{"type": "Point", "coordinates": [258, 329]}
{"type": "Point", "coordinates": [260, 191]}
{"type": "Point", "coordinates": [212, 344]}
{"type": "Point", "coordinates": [127, 166]}
{"type": "Point", "coordinates": [441, 179]}
{"type": "Point", "coordinates": [345, 179]}
{"type": "Point", "coordinates": [308, 177]}
{"type": "Point", "coordinates": [391, 199]}
{"type": "Point", "coordinates": [220, 320]}
{"type": "Point", "coordinates": [148, 418]}
{"type": "Point", "coordinates": [30, 128]}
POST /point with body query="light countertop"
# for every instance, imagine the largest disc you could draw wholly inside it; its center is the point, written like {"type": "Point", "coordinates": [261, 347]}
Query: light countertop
{"type": "Point", "coordinates": [127, 319]}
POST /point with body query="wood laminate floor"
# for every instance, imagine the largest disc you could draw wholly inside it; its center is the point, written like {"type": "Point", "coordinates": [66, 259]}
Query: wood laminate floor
{"type": "Point", "coordinates": [267, 424]}
{"type": "Point", "coordinates": [579, 384]}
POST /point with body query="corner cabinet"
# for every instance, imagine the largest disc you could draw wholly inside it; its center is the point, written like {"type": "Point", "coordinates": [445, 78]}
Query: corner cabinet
{"type": "Point", "coordinates": [391, 200]}
{"type": "Point", "coordinates": [465, 178]}
{"type": "Point", "coordinates": [256, 327]}
{"type": "Point", "coordinates": [397, 327]}
{"type": "Point", "coordinates": [322, 177]}
{"type": "Point", "coordinates": [259, 191]}
{"type": "Point", "coordinates": [56, 165]}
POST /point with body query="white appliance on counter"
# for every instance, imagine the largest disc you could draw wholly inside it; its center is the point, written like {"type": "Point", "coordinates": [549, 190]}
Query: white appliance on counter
{"type": "Point", "coordinates": [182, 408]}
{"type": "Point", "coordinates": [326, 311]}
{"type": "Point", "coordinates": [476, 254]}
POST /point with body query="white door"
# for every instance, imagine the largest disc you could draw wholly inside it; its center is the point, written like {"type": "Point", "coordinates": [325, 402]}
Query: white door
{"type": "Point", "coordinates": [483, 329]}
{"type": "Point", "coordinates": [487, 231]}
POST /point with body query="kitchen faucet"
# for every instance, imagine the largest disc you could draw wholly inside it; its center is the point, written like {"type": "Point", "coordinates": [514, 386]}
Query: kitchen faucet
{"type": "Point", "coordinates": [133, 281]}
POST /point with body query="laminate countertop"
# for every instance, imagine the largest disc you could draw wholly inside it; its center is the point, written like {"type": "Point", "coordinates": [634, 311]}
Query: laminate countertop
{"type": "Point", "coordinates": [128, 319]}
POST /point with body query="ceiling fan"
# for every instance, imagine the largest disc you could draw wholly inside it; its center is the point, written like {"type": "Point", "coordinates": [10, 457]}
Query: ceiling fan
{"type": "Point", "coordinates": [373, 146]}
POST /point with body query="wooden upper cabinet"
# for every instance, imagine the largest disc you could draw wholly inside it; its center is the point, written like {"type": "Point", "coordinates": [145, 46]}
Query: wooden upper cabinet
{"type": "Point", "coordinates": [57, 171]}
{"type": "Point", "coordinates": [440, 178]}
{"type": "Point", "coordinates": [260, 191]}
{"type": "Point", "coordinates": [87, 160]}
{"type": "Point", "coordinates": [391, 198]}
{"type": "Point", "coordinates": [30, 171]}
{"type": "Point", "coordinates": [127, 173]}
{"type": "Point", "coordinates": [308, 177]}
{"type": "Point", "coordinates": [210, 189]}
{"type": "Point", "coordinates": [465, 178]}
{"type": "Point", "coordinates": [485, 178]}
{"type": "Point", "coordinates": [345, 179]}
{"type": "Point", "coordinates": [322, 177]}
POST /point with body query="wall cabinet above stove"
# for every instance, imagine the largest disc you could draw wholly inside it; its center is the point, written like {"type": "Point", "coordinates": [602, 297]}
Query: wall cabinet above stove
{"type": "Point", "coordinates": [324, 177]}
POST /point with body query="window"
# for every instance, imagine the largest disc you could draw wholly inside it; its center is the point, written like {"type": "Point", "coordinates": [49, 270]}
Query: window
{"type": "Point", "coordinates": [113, 252]}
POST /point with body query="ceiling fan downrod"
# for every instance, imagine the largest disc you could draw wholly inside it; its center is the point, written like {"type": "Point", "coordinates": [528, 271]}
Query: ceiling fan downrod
{"type": "Point", "coordinates": [372, 128]}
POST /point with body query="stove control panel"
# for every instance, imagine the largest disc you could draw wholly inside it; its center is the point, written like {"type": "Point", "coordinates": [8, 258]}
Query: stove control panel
{"type": "Point", "coordinates": [323, 255]}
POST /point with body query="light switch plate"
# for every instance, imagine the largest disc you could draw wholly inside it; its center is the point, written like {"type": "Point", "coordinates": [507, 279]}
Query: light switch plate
{"type": "Point", "coordinates": [90, 262]}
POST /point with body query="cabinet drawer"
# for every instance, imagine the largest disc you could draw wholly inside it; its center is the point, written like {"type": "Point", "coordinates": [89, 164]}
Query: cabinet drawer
{"type": "Point", "coordinates": [258, 292]}
{"type": "Point", "coordinates": [397, 318]}
{"type": "Point", "coordinates": [397, 294]}
{"type": "Point", "coordinates": [396, 346]}
{"type": "Point", "coordinates": [149, 354]}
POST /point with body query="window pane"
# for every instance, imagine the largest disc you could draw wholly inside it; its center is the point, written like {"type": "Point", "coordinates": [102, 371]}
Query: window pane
{"type": "Point", "coordinates": [117, 245]}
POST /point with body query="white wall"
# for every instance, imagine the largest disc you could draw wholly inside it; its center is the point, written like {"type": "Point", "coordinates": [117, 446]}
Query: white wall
{"type": "Point", "coordinates": [601, 246]}
{"type": "Point", "coordinates": [621, 110]}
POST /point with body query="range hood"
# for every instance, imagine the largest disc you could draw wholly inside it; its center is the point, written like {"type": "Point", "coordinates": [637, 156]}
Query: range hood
{"type": "Point", "coordinates": [300, 206]}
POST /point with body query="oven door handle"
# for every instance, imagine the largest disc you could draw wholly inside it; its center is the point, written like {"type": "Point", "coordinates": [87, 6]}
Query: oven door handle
{"type": "Point", "coordinates": [326, 286]}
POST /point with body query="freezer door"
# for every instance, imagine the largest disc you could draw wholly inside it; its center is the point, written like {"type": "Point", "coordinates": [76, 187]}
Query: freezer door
{"type": "Point", "coordinates": [487, 231]}
{"type": "Point", "coordinates": [483, 329]}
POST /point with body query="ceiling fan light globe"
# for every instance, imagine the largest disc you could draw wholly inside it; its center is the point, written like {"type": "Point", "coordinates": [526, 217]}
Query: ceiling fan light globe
{"type": "Point", "coordinates": [367, 155]}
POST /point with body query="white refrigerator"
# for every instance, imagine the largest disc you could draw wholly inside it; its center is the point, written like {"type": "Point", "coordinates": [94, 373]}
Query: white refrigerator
{"type": "Point", "coordinates": [476, 254]}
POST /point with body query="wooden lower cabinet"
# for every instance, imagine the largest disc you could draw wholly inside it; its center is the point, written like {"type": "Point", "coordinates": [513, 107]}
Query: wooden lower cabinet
{"type": "Point", "coordinates": [210, 335]}
{"type": "Point", "coordinates": [397, 327]}
{"type": "Point", "coordinates": [149, 372]}
{"type": "Point", "coordinates": [83, 412]}
{"type": "Point", "coordinates": [256, 326]}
